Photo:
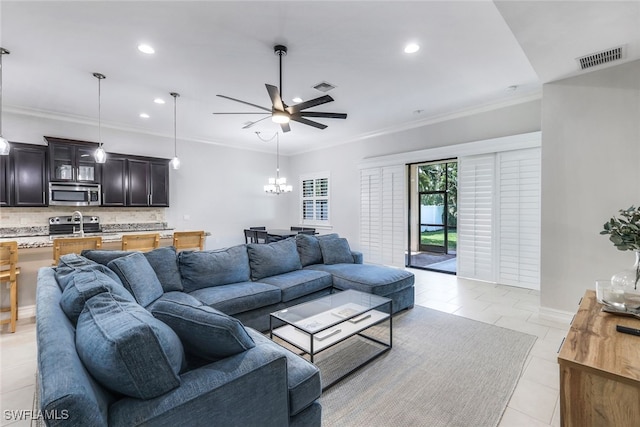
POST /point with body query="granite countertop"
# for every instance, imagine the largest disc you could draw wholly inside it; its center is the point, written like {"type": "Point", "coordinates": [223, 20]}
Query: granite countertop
{"type": "Point", "coordinates": [38, 237]}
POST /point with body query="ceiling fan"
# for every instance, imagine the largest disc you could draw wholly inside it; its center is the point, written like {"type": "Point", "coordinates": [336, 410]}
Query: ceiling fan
{"type": "Point", "coordinates": [281, 113]}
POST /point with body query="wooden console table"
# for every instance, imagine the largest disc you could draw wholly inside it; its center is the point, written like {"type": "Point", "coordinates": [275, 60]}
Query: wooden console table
{"type": "Point", "coordinates": [599, 369]}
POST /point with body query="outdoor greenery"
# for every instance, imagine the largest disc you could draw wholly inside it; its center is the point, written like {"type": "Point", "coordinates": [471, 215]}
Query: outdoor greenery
{"type": "Point", "coordinates": [624, 231]}
{"type": "Point", "coordinates": [436, 238]}
{"type": "Point", "coordinates": [440, 177]}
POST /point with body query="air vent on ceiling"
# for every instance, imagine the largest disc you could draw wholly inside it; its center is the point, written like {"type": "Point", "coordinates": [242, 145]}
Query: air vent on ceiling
{"type": "Point", "coordinates": [324, 87]}
{"type": "Point", "coordinates": [602, 57]}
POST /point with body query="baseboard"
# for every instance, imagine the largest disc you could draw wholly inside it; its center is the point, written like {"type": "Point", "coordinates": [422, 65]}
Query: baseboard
{"type": "Point", "coordinates": [555, 315]}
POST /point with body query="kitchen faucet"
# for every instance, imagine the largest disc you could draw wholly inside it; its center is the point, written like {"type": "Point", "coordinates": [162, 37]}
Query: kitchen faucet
{"type": "Point", "coordinates": [78, 214]}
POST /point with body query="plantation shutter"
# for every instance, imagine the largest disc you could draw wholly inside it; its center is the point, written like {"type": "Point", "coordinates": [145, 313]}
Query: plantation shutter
{"type": "Point", "coordinates": [476, 187]}
{"type": "Point", "coordinates": [382, 219]}
{"type": "Point", "coordinates": [315, 199]}
{"type": "Point", "coordinates": [519, 218]}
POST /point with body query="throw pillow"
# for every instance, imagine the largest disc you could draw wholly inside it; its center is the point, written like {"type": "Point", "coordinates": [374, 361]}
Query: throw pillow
{"type": "Point", "coordinates": [85, 284]}
{"type": "Point", "coordinates": [336, 251]}
{"type": "Point", "coordinates": [273, 259]}
{"type": "Point", "coordinates": [205, 332]}
{"type": "Point", "coordinates": [308, 249]}
{"type": "Point", "coordinates": [203, 269]}
{"type": "Point", "coordinates": [164, 262]}
{"type": "Point", "coordinates": [138, 277]}
{"type": "Point", "coordinates": [68, 265]}
{"type": "Point", "coordinates": [126, 349]}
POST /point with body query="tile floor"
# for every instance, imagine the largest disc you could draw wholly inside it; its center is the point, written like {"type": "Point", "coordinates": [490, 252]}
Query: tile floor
{"type": "Point", "coordinates": [534, 401]}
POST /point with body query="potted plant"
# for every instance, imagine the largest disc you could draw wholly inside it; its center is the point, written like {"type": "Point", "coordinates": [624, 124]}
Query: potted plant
{"type": "Point", "coordinates": [624, 233]}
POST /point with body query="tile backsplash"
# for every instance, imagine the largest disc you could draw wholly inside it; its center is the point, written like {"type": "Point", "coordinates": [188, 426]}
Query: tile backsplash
{"type": "Point", "coordinates": [37, 217]}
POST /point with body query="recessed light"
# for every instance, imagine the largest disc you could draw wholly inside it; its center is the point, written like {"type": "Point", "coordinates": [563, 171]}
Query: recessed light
{"type": "Point", "coordinates": [297, 99]}
{"type": "Point", "coordinates": [411, 48]}
{"type": "Point", "coordinates": [159, 101]}
{"type": "Point", "coordinates": [144, 116]}
{"type": "Point", "coordinates": [145, 48]}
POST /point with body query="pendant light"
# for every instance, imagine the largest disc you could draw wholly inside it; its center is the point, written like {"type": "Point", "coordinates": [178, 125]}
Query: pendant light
{"type": "Point", "coordinates": [175, 162]}
{"type": "Point", "coordinates": [276, 185]}
{"type": "Point", "coordinates": [99, 154]}
{"type": "Point", "coordinates": [4, 144]}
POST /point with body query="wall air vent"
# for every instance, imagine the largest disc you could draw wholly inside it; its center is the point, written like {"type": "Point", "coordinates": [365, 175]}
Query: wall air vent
{"type": "Point", "coordinates": [602, 57]}
{"type": "Point", "coordinates": [324, 87]}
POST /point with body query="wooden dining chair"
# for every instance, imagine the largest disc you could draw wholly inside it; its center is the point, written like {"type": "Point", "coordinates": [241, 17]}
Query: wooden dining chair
{"type": "Point", "coordinates": [9, 272]}
{"type": "Point", "coordinates": [74, 245]}
{"type": "Point", "coordinates": [140, 242]}
{"type": "Point", "coordinates": [188, 240]}
{"type": "Point", "coordinates": [310, 231]}
{"type": "Point", "coordinates": [262, 236]}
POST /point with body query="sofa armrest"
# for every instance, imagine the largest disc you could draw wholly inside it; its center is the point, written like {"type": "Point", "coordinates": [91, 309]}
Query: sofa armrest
{"type": "Point", "coordinates": [220, 393]}
{"type": "Point", "coordinates": [358, 258]}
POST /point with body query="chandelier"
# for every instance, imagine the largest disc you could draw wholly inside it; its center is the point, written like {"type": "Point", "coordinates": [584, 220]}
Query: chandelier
{"type": "Point", "coordinates": [276, 185]}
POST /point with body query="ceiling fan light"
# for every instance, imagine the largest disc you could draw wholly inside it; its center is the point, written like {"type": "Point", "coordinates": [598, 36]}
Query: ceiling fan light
{"type": "Point", "coordinates": [280, 117]}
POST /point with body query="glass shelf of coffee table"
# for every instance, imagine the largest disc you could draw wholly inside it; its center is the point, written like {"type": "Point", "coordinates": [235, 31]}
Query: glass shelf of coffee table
{"type": "Point", "coordinates": [316, 325]}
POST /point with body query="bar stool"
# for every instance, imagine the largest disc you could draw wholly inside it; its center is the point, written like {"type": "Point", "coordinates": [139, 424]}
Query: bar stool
{"type": "Point", "coordinates": [74, 245]}
{"type": "Point", "coordinates": [140, 242]}
{"type": "Point", "coordinates": [9, 272]}
{"type": "Point", "coordinates": [188, 240]}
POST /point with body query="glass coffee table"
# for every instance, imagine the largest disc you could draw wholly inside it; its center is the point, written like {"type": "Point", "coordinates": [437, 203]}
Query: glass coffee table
{"type": "Point", "coordinates": [317, 325]}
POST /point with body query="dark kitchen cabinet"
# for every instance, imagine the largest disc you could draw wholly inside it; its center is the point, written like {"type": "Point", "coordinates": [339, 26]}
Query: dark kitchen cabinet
{"type": "Point", "coordinates": [4, 181]}
{"type": "Point", "coordinates": [148, 182]}
{"type": "Point", "coordinates": [27, 175]}
{"type": "Point", "coordinates": [72, 161]}
{"type": "Point", "coordinates": [114, 181]}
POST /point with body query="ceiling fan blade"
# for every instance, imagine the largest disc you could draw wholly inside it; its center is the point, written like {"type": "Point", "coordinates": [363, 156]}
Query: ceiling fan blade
{"type": "Point", "coordinates": [302, 120]}
{"type": "Point", "coordinates": [250, 124]}
{"type": "Point", "coordinates": [285, 127]}
{"type": "Point", "coordinates": [244, 102]}
{"type": "Point", "coordinates": [321, 114]}
{"type": "Point", "coordinates": [274, 94]}
{"type": "Point", "coordinates": [310, 103]}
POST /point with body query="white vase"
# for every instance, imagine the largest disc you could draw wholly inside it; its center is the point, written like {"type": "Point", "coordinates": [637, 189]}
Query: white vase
{"type": "Point", "coordinates": [629, 280]}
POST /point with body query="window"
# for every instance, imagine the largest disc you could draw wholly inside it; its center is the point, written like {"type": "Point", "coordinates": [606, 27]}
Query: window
{"type": "Point", "coordinates": [315, 208]}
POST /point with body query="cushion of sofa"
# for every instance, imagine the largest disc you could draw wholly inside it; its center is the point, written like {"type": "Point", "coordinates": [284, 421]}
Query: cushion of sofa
{"type": "Point", "coordinates": [335, 251]}
{"type": "Point", "coordinates": [308, 249]}
{"type": "Point", "coordinates": [373, 279]}
{"type": "Point", "coordinates": [126, 349]}
{"type": "Point", "coordinates": [70, 264]}
{"type": "Point", "coordinates": [202, 269]}
{"type": "Point", "coordinates": [205, 332]}
{"type": "Point", "coordinates": [299, 283]}
{"type": "Point", "coordinates": [103, 256]}
{"type": "Point", "coordinates": [238, 297]}
{"type": "Point", "coordinates": [84, 284]}
{"type": "Point", "coordinates": [164, 262]}
{"type": "Point", "coordinates": [303, 378]}
{"type": "Point", "coordinates": [137, 275]}
{"type": "Point", "coordinates": [273, 259]}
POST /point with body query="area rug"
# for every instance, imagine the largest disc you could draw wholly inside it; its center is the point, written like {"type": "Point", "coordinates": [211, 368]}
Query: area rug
{"type": "Point", "coordinates": [443, 370]}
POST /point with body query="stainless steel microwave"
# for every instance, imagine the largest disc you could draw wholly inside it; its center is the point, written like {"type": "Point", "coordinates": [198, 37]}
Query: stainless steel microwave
{"type": "Point", "coordinates": [73, 194]}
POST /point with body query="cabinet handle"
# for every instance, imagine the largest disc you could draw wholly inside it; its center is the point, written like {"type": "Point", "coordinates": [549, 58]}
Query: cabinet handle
{"type": "Point", "coordinates": [150, 199]}
{"type": "Point", "coordinates": [44, 199]}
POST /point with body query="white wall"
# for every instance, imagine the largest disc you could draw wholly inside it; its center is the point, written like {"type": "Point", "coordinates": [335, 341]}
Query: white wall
{"type": "Point", "coordinates": [590, 170]}
{"type": "Point", "coordinates": [343, 160]}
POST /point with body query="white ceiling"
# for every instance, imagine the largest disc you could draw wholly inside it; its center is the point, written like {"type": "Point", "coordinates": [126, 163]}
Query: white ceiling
{"type": "Point", "coordinates": [471, 52]}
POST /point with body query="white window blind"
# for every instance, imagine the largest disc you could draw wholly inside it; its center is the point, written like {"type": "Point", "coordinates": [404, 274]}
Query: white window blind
{"type": "Point", "coordinates": [315, 199]}
{"type": "Point", "coordinates": [476, 187]}
{"type": "Point", "coordinates": [519, 218]}
{"type": "Point", "coordinates": [382, 218]}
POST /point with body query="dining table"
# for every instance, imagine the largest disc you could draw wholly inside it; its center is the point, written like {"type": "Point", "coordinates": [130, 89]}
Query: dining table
{"type": "Point", "coordinates": [281, 232]}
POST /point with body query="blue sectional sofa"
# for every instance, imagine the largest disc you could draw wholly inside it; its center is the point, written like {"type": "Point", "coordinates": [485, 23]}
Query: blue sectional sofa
{"type": "Point", "coordinates": [173, 339]}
